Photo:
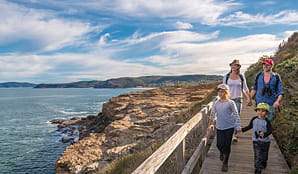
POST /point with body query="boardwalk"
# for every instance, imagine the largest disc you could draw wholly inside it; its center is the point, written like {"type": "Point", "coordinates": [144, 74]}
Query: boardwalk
{"type": "Point", "coordinates": [242, 158]}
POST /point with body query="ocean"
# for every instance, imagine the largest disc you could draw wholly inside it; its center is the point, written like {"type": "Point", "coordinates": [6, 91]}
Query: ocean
{"type": "Point", "coordinates": [29, 144]}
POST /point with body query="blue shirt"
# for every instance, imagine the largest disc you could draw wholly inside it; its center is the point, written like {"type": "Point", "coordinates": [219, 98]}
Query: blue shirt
{"type": "Point", "coordinates": [226, 114]}
{"type": "Point", "coordinates": [275, 92]}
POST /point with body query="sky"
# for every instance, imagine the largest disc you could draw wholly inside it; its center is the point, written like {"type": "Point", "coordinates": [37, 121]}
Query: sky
{"type": "Point", "coordinates": [57, 41]}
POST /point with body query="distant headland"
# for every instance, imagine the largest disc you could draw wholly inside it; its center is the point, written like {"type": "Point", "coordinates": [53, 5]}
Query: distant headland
{"type": "Point", "coordinates": [17, 85]}
{"type": "Point", "coordinates": [124, 82]}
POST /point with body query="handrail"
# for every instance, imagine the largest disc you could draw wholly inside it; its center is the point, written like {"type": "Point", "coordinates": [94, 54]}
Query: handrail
{"type": "Point", "coordinates": [153, 163]}
{"type": "Point", "coordinates": [200, 151]}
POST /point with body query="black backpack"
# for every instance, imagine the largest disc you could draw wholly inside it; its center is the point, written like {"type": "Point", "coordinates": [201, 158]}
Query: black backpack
{"type": "Point", "coordinates": [276, 75]}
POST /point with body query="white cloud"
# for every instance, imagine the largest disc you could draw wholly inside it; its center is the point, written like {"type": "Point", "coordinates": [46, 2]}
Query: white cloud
{"type": "Point", "coordinates": [102, 39]}
{"type": "Point", "coordinates": [182, 25]}
{"type": "Point", "coordinates": [40, 30]}
{"type": "Point", "coordinates": [22, 67]}
{"type": "Point", "coordinates": [239, 19]}
{"type": "Point", "coordinates": [266, 3]}
{"type": "Point", "coordinates": [199, 10]}
{"type": "Point", "coordinates": [161, 60]}
{"type": "Point", "coordinates": [163, 40]}
{"type": "Point", "coordinates": [207, 10]}
{"type": "Point", "coordinates": [112, 55]}
{"type": "Point", "coordinates": [189, 58]}
{"type": "Point", "coordinates": [212, 57]}
{"type": "Point", "coordinates": [236, 46]}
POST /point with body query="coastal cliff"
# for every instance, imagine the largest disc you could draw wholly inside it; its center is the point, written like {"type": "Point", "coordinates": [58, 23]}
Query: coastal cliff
{"type": "Point", "coordinates": [128, 123]}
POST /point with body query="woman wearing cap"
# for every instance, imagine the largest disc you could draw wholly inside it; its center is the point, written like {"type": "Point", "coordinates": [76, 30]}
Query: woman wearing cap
{"type": "Point", "coordinates": [237, 84]}
{"type": "Point", "coordinates": [228, 118]}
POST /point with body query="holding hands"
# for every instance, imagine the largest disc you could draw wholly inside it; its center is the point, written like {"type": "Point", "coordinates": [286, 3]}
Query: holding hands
{"type": "Point", "coordinates": [261, 134]}
{"type": "Point", "coordinates": [249, 102]}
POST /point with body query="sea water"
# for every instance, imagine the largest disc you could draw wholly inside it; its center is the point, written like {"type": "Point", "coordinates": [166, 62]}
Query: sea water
{"type": "Point", "coordinates": [28, 142]}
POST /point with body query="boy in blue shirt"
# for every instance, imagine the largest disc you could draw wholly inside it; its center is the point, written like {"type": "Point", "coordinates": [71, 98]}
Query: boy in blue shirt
{"type": "Point", "coordinates": [261, 142]}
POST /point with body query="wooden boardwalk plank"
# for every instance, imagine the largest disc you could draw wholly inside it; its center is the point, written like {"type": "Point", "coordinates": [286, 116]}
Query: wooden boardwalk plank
{"type": "Point", "coordinates": [242, 157]}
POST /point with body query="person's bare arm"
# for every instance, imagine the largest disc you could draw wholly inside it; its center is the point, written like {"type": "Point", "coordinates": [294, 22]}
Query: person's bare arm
{"type": "Point", "coordinates": [276, 103]}
{"type": "Point", "coordinates": [252, 93]}
{"type": "Point", "coordinates": [248, 98]}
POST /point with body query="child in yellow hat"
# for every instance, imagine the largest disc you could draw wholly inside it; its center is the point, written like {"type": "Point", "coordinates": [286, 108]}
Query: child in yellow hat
{"type": "Point", "coordinates": [261, 142]}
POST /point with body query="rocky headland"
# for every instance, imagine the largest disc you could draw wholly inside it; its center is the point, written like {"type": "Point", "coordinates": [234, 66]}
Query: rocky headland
{"type": "Point", "coordinates": [128, 123]}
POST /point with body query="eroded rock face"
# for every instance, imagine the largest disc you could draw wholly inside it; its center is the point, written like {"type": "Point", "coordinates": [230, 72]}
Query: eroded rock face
{"type": "Point", "coordinates": [135, 120]}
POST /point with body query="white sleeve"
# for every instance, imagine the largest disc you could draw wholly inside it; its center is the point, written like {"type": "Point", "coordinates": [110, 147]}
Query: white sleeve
{"type": "Point", "coordinates": [236, 115]}
{"type": "Point", "coordinates": [224, 79]}
{"type": "Point", "coordinates": [245, 88]}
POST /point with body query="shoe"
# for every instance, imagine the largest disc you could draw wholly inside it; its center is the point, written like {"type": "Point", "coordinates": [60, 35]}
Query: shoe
{"type": "Point", "coordinates": [221, 156]}
{"type": "Point", "coordinates": [224, 168]}
{"type": "Point", "coordinates": [258, 171]}
{"type": "Point", "coordinates": [235, 138]}
{"type": "Point", "coordinates": [264, 165]}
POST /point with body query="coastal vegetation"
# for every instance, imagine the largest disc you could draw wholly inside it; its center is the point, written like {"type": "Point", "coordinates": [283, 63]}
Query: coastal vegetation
{"type": "Point", "coordinates": [285, 123]}
{"type": "Point", "coordinates": [132, 82]}
{"type": "Point", "coordinates": [16, 85]}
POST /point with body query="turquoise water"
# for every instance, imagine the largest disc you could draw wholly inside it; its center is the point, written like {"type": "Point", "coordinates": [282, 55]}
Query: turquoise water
{"type": "Point", "coordinates": [28, 142]}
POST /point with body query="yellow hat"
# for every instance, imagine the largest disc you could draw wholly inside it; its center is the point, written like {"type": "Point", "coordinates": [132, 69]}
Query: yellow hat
{"type": "Point", "coordinates": [263, 106]}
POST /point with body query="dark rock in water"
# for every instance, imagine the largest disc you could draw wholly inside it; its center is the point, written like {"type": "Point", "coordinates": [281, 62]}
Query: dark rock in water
{"type": "Point", "coordinates": [67, 139]}
{"type": "Point", "coordinates": [57, 121]}
{"type": "Point", "coordinates": [77, 128]}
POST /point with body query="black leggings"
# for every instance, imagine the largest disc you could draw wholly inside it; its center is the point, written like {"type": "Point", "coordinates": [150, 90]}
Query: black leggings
{"type": "Point", "coordinates": [224, 139]}
{"type": "Point", "coordinates": [261, 150]}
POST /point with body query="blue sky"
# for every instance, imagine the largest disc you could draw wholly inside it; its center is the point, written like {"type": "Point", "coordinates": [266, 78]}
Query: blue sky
{"type": "Point", "coordinates": [53, 41]}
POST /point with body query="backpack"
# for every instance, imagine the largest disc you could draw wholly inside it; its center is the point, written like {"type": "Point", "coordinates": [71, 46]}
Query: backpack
{"type": "Point", "coordinates": [276, 75]}
{"type": "Point", "coordinates": [241, 77]}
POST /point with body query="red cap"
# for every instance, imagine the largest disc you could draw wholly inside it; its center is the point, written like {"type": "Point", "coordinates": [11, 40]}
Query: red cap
{"type": "Point", "coordinates": [269, 61]}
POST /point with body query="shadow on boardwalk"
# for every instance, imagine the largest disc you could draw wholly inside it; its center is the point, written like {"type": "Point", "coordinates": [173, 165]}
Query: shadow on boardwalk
{"type": "Point", "coordinates": [242, 157]}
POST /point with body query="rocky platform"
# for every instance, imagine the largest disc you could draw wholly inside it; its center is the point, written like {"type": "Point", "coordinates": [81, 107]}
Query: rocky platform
{"type": "Point", "coordinates": [128, 123]}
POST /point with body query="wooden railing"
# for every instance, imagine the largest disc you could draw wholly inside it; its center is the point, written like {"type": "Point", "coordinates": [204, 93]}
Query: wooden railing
{"type": "Point", "coordinates": [176, 143]}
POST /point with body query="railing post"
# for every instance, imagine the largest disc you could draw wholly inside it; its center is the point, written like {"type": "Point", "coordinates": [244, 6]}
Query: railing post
{"type": "Point", "coordinates": [204, 128]}
{"type": "Point", "coordinates": [180, 153]}
{"type": "Point", "coordinates": [176, 144]}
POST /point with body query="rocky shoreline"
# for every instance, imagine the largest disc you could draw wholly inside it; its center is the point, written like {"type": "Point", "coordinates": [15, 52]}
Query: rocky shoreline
{"type": "Point", "coordinates": [77, 128]}
{"type": "Point", "coordinates": [128, 123]}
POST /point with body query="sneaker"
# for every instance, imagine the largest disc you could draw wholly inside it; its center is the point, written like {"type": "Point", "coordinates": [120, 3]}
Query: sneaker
{"type": "Point", "coordinates": [235, 138]}
{"type": "Point", "coordinates": [224, 168]}
{"type": "Point", "coordinates": [258, 171]}
{"type": "Point", "coordinates": [264, 165]}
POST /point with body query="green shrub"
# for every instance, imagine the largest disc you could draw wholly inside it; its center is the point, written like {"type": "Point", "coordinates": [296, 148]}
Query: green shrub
{"type": "Point", "coordinates": [294, 170]}
{"type": "Point", "coordinates": [285, 123]}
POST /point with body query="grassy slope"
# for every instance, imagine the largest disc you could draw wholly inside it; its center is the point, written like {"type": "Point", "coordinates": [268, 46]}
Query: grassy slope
{"type": "Point", "coordinates": [285, 124]}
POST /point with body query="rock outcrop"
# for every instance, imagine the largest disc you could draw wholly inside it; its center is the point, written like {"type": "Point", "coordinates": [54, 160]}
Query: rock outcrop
{"type": "Point", "coordinates": [128, 123]}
